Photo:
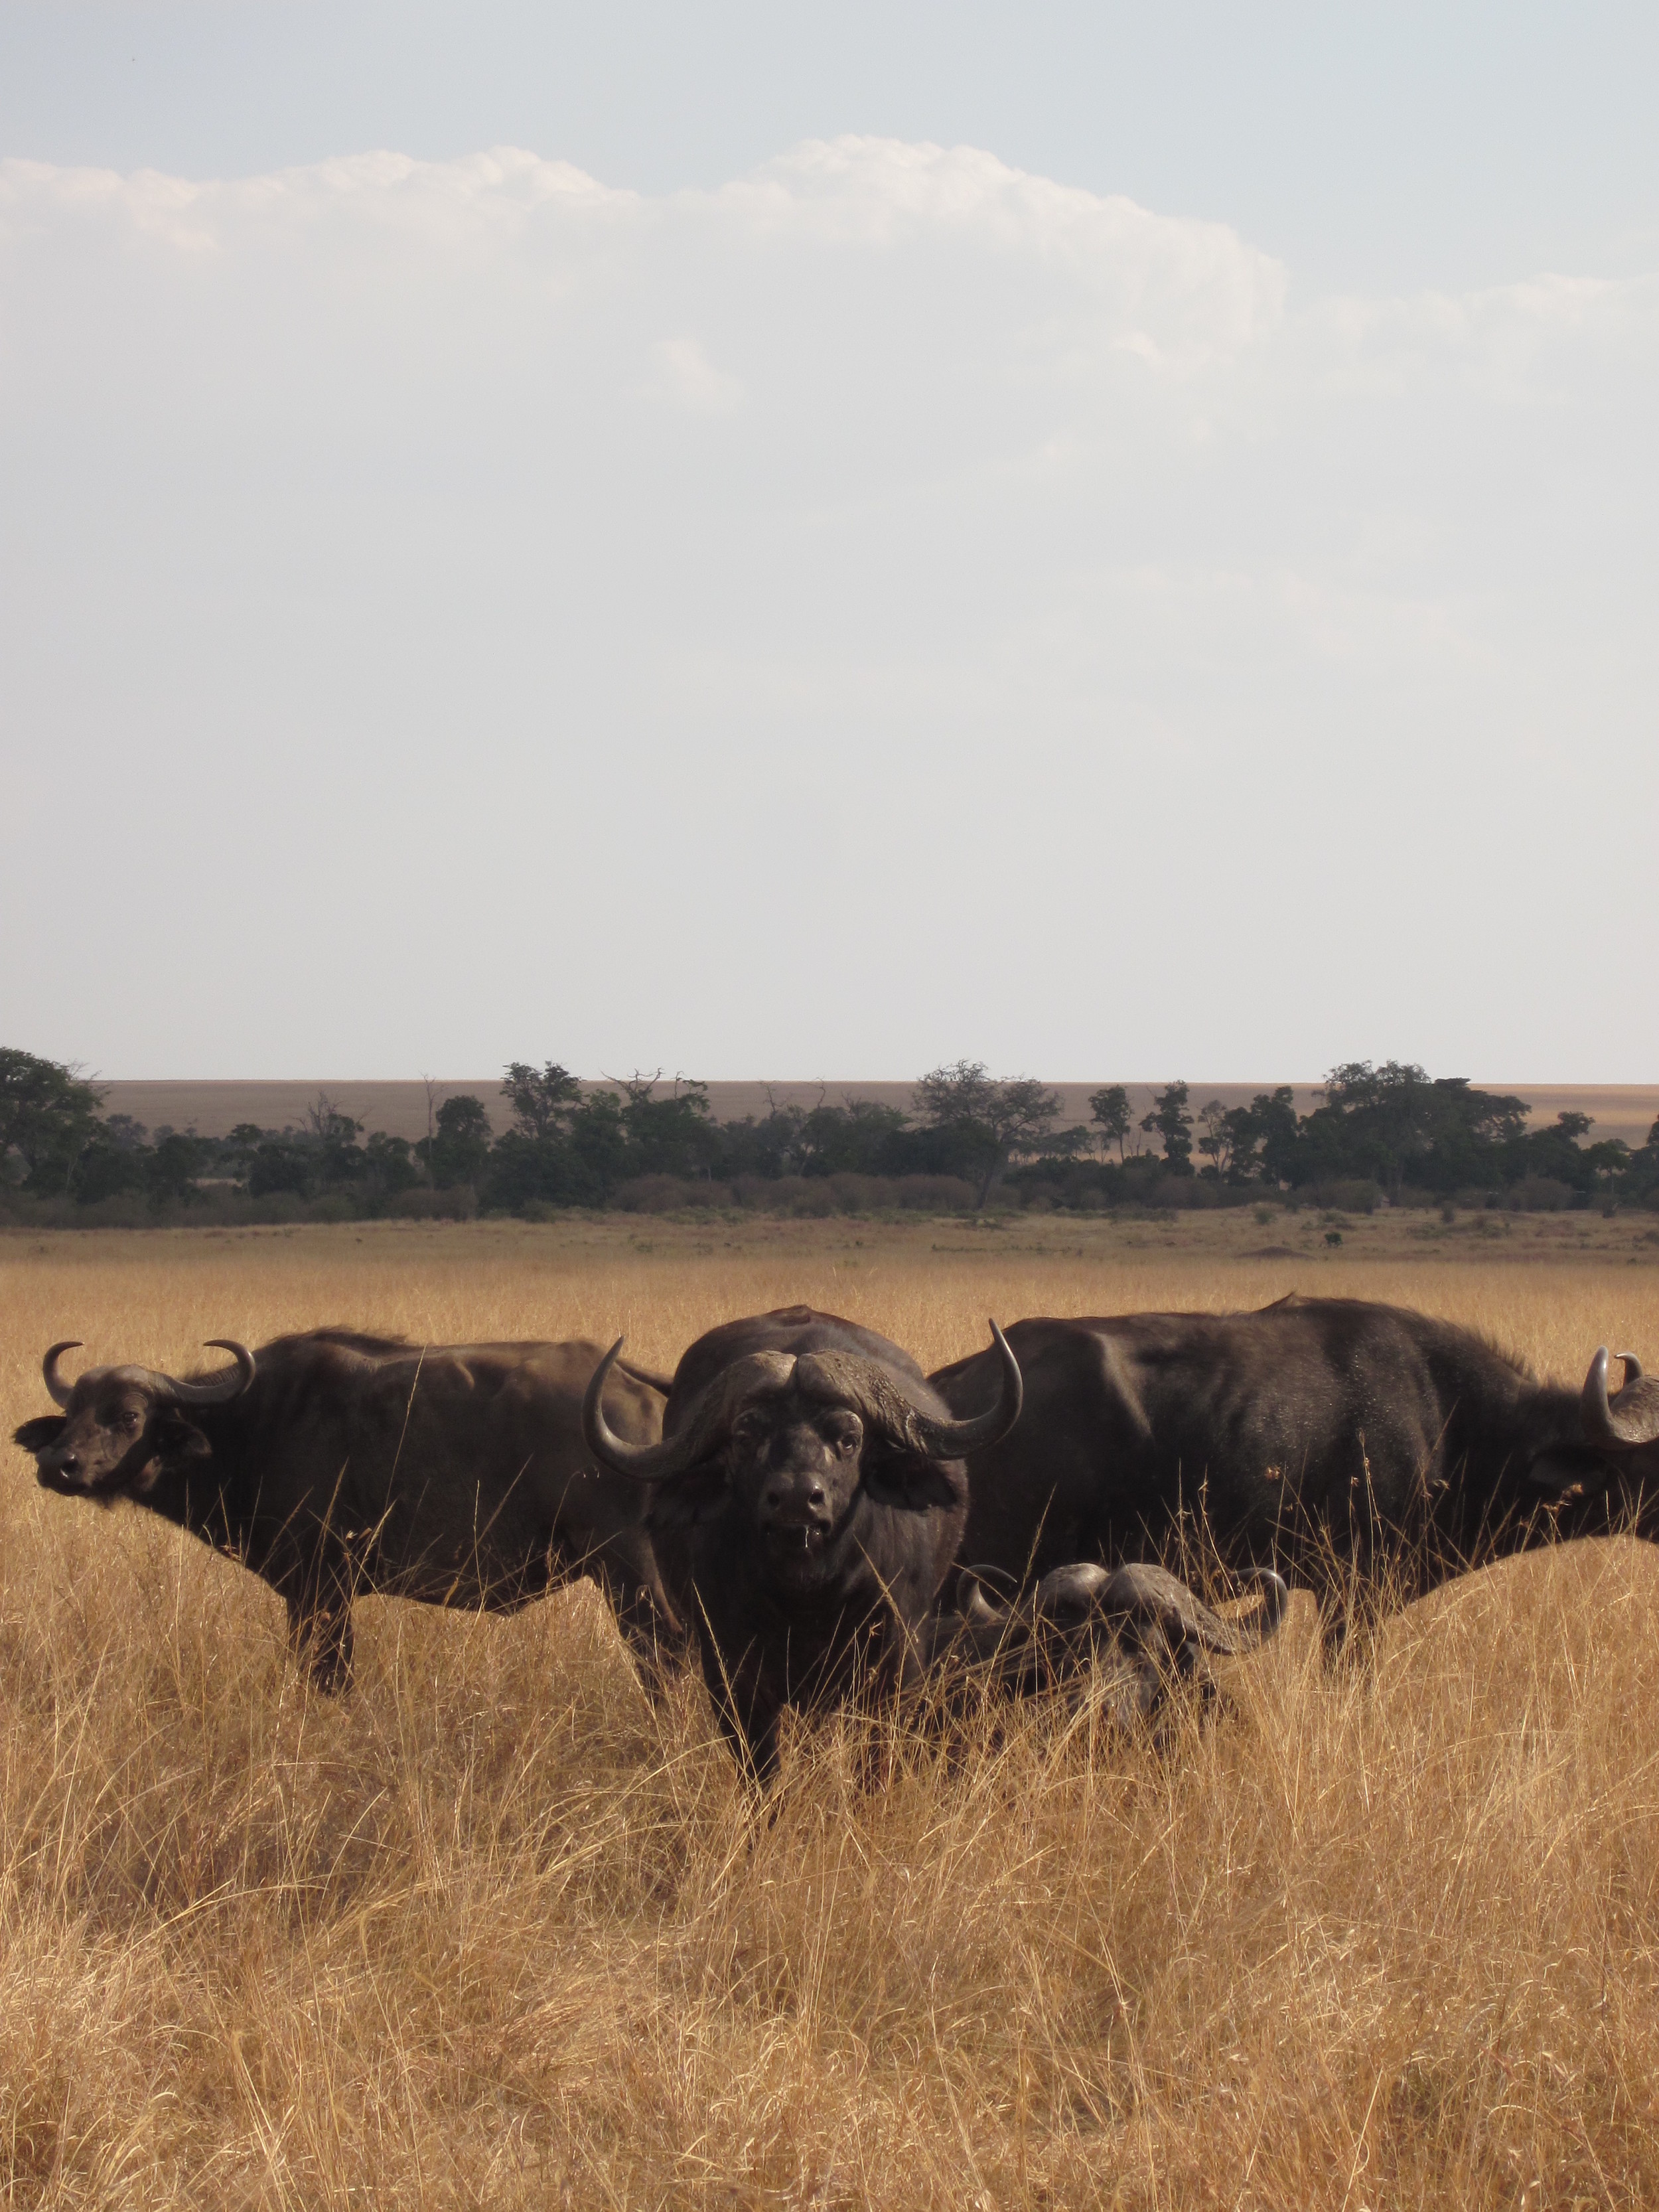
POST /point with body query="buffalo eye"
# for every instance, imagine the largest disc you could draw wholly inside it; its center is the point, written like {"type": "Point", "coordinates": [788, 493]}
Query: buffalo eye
{"type": "Point", "coordinates": [127, 1422]}
{"type": "Point", "coordinates": [847, 1438]}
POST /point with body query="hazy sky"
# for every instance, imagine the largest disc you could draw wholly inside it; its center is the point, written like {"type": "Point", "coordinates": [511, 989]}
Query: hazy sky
{"type": "Point", "coordinates": [815, 540]}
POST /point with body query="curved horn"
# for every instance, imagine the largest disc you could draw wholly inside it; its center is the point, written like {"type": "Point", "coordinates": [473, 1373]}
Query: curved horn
{"type": "Point", "coordinates": [1632, 1367]}
{"type": "Point", "coordinates": [218, 1388]}
{"type": "Point", "coordinates": [1632, 1418]}
{"type": "Point", "coordinates": [993, 1628]}
{"type": "Point", "coordinates": [61, 1391]}
{"type": "Point", "coordinates": [1153, 1590]}
{"type": "Point", "coordinates": [1275, 1594]}
{"type": "Point", "coordinates": [1067, 1596]}
{"type": "Point", "coordinates": [645, 1462]}
{"type": "Point", "coordinates": [975, 1608]}
{"type": "Point", "coordinates": [1595, 1414]}
{"type": "Point", "coordinates": [940, 1439]}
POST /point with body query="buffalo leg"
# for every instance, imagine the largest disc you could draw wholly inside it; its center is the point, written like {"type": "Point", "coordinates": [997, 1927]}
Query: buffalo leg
{"type": "Point", "coordinates": [756, 1747]}
{"type": "Point", "coordinates": [319, 1632]}
{"type": "Point", "coordinates": [748, 1718]}
{"type": "Point", "coordinates": [753, 1738]}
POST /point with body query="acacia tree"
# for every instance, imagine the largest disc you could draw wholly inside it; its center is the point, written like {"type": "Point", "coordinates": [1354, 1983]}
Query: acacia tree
{"type": "Point", "coordinates": [1170, 1121]}
{"type": "Point", "coordinates": [1261, 1137]}
{"type": "Point", "coordinates": [1388, 1120]}
{"type": "Point", "coordinates": [673, 1135]}
{"type": "Point", "coordinates": [1109, 1111]}
{"type": "Point", "coordinates": [1217, 1142]}
{"type": "Point", "coordinates": [338, 1159]}
{"type": "Point", "coordinates": [460, 1145]}
{"type": "Point", "coordinates": [995, 1118]}
{"type": "Point", "coordinates": [541, 1101]}
{"type": "Point", "coordinates": [861, 1137]}
{"type": "Point", "coordinates": [48, 1115]}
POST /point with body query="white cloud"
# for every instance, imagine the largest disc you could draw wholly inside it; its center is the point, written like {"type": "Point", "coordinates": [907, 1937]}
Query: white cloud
{"type": "Point", "coordinates": [1193, 284]}
{"type": "Point", "coordinates": [687, 378]}
{"type": "Point", "coordinates": [959, 597]}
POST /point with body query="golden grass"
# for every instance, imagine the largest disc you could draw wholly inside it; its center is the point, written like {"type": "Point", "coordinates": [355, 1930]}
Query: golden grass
{"type": "Point", "coordinates": [491, 1932]}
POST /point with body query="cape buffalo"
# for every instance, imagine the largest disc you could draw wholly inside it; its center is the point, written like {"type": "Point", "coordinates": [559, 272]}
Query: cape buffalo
{"type": "Point", "coordinates": [1131, 1631]}
{"type": "Point", "coordinates": [1354, 1445]}
{"type": "Point", "coordinates": [809, 1498]}
{"type": "Point", "coordinates": [332, 1463]}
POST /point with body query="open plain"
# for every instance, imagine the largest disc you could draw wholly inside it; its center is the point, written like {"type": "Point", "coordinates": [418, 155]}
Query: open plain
{"type": "Point", "coordinates": [489, 1930]}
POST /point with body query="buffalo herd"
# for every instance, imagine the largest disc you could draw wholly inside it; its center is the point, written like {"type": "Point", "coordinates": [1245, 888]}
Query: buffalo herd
{"type": "Point", "coordinates": [823, 1521]}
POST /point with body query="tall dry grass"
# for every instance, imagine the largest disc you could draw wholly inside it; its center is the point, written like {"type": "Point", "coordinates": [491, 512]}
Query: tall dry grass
{"type": "Point", "coordinates": [490, 1931]}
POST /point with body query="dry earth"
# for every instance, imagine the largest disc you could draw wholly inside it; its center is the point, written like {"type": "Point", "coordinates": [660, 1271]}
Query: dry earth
{"type": "Point", "coordinates": [491, 1932]}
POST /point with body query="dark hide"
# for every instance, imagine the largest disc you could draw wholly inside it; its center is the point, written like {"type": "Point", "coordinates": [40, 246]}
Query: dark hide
{"type": "Point", "coordinates": [807, 1540]}
{"type": "Point", "coordinates": [455, 1474]}
{"type": "Point", "coordinates": [1361, 1449]}
{"type": "Point", "coordinates": [1128, 1635]}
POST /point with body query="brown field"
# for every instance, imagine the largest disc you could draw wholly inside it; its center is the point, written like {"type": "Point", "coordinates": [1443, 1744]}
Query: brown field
{"type": "Point", "coordinates": [489, 1932]}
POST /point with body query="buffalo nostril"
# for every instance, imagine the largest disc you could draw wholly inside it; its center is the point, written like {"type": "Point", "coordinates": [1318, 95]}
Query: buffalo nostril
{"type": "Point", "coordinates": [815, 1495]}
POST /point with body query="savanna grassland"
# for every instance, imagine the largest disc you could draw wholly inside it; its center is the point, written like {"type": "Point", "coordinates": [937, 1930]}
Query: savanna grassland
{"type": "Point", "coordinates": [490, 1931]}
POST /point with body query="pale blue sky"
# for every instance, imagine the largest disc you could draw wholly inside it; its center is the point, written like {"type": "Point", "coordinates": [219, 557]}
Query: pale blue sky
{"type": "Point", "coordinates": [1113, 540]}
{"type": "Point", "coordinates": [1384, 145]}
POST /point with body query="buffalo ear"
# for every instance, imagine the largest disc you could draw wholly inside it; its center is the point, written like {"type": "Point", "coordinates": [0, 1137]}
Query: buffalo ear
{"type": "Point", "coordinates": [178, 1442]}
{"type": "Point", "coordinates": [35, 1436]}
{"type": "Point", "coordinates": [915, 1484]}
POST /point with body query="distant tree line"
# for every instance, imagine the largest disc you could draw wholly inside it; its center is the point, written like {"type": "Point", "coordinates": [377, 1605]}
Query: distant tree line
{"type": "Point", "coordinates": [970, 1139]}
{"type": "Point", "coordinates": [1393, 1127]}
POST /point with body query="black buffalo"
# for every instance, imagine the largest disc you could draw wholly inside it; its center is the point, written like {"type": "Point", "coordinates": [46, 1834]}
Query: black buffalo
{"type": "Point", "coordinates": [809, 1499]}
{"type": "Point", "coordinates": [1129, 1632]}
{"type": "Point", "coordinates": [334, 1463]}
{"type": "Point", "coordinates": [1357, 1446]}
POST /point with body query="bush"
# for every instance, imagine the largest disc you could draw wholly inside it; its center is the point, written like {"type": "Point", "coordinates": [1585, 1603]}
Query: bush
{"type": "Point", "coordinates": [808, 1197]}
{"type": "Point", "coordinates": [1345, 1196]}
{"type": "Point", "coordinates": [277, 1167]}
{"type": "Point", "coordinates": [459, 1204]}
{"type": "Point", "coordinates": [122, 1209]}
{"type": "Point", "coordinates": [1193, 1196]}
{"type": "Point", "coordinates": [934, 1194]}
{"type": "Point", "coordinates": [1539, 1195]}
{"type": "Point", "coordinates": [283, 1207]}
{"type": "Point", "coordinates": [819, 1197]}
{"type": "Point", "coordinates": [666, 1194]}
